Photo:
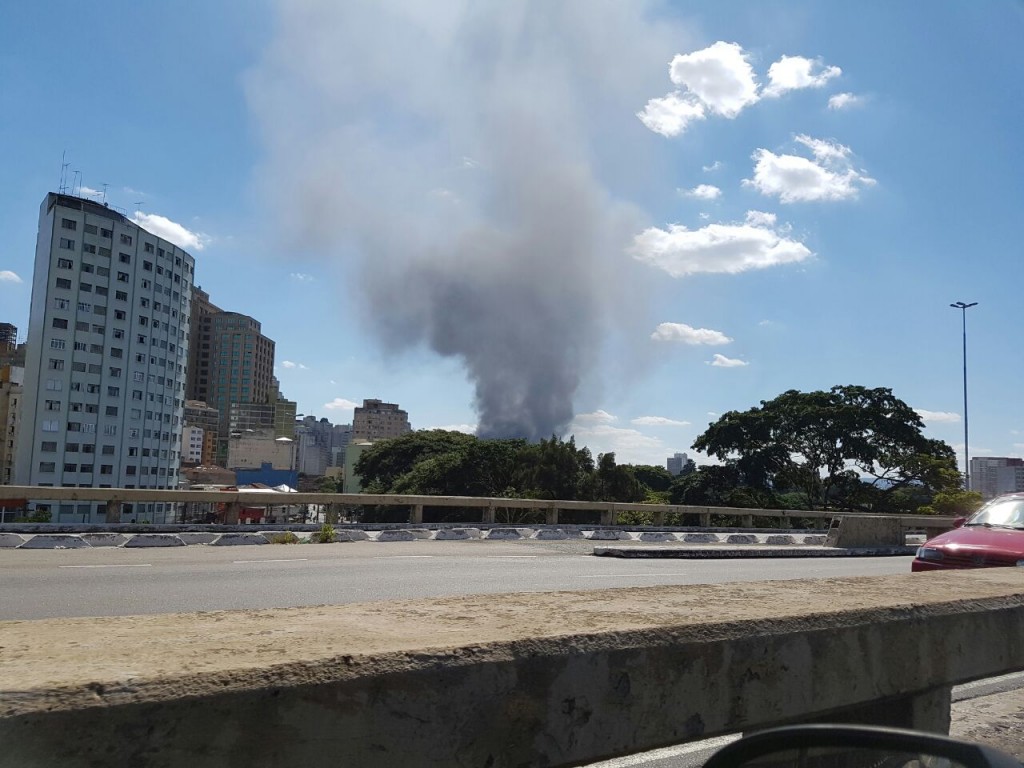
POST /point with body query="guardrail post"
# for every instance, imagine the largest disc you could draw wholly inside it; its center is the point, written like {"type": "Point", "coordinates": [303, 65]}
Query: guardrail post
{"type": "Point", "coordinates": [748, 521]}
{"type": "Point", "coordinates": [608, 516]}
{"type": "Point", "coordinates": [113, 511]}
{"type": "Point", "coordinates": [489, 514]}
{"type": "Point", "coordinates": [417, 514]}
{"type": "Point", "coordinates": [660, 517]}
{"type": "Point", "coordinates": [551, 515]}
{"type": "Point", "coordinates": [705, 519]}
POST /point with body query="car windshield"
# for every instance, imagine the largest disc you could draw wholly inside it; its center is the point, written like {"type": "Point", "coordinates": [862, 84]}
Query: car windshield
{"type": "Point", "coordinates": [1003, 514]}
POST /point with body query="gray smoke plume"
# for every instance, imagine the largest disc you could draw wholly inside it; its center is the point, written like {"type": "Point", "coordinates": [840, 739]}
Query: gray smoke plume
{"type": "Point", "coordinates": [465, 153]}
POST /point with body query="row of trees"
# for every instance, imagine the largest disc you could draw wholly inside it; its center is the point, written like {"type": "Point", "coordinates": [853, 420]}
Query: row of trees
{"type": "Point", "coordinates": [848, 448]}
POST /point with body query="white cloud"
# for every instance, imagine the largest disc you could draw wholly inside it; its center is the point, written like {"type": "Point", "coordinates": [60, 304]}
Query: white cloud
{"type": "Point", "coordinates": [89, 192]}
{"type": "Point", "coordinates": [469, 429]}
{"type": "Point", "coordinates": [720, 76]}
{"type": "Point", "coordinates": [6, 276]}
{"type": "Point", "coordinates": [302, 367]}
{"type": "Point", "coordinates": [288, 364]}
{"type": "Point", "coordinates": [171, 231]}
{"type": "Point", "coordinates": [628, 445]}
{"type": "Point", "coordinates": [713, 167]}
{"type": "Point", "coordinates": [938, 417]}
{"type": "Point", "coordinates": [718, 248]}
{"type": "Point", "coordinates": [340, 404]}
{"type": "Point", "coordinates": [703, 191]}
{"type": "Point", "coordinates": [844, 101]}
{"type": "Point", "coordinates": [595, 417]}
{"type": "Point", "coordinates": [658, 421]}
{"type": "Point", "coordinates": [686, 334]}
{"type": "Point", "coordinates": [670, 115]}
{"type": "Point", "coordinates": [792, 72]}
{"type": "Point", "coordinates": [302, 277]}
{"type": "Point", "coordinates": [721, 361]}
{"type": "Point", "coordinates": [712, 414]}
{"type": "Point", "coordinates": [793, 178]}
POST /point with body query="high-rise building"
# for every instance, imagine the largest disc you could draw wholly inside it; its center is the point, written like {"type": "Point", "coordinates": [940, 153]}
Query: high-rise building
{"type": "Point", "coordinates": [107, 349]}
{"type": "Point", "coordinates": [675, 463]}
{"type": "Point", "coordinates": [8, 337]}
{"type": "Point", "coordinates": [233, 363]}
{"type": "Point", "coordinates": [199, 414]}
{"type": "Point", "coordinates": [995, 475]}
{"type": "Point", "coordinates": [376, 420]}
{"type": "Point", "coordinates": [11, 393]}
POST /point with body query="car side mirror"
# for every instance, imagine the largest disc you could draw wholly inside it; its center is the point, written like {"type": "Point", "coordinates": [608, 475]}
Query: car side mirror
{"type": "Point", "coordinates": [854, 746]}
{"type": "Point", "coordinates": [958, 522]}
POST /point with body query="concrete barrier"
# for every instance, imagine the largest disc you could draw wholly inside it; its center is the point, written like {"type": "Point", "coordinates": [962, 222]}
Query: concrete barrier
{"type": "Point", "coordinates": [509, 533]}
{"type": "Point", "coordinates": [700, 538]}
{"type": "Point", "coordinates": [741, 538]}
{"type": "Point", "coordinates": [850, 532]}
{"type": "Point", "coordinates": [55, 541]}
{"type": "Point", "coordinates": [547, 679]}
{"type": "Point", "coordinates": [238, 539]}
{"type": "Point", "coordinates": [11, 540]}
{"type": "Point", "coordinates": [396, 535]}
{"type": "Point", "coordinates": [658, 536]}
{"type": "Point", "coordinates": [104, 539]}
{"type": "Point", "coordinates": [140, 540]}
{"type": "Point", "coordinates": [198, 537]}
{"type": "Point", "coordinates": [780, 539]}
{"type": "Point", "coordinates": [608, 534]}
{"type": "Point", "coordinates": [458, 534]}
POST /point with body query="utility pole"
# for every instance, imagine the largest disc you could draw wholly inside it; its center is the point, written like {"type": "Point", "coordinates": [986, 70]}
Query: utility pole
{"type": "Point", "coordinates": [967, 460]}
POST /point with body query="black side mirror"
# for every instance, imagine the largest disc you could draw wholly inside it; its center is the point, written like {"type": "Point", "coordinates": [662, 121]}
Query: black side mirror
{"type": "Point", "coordinates": [853, 746]}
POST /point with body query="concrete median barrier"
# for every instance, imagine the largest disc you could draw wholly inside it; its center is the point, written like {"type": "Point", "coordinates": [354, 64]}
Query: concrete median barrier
{"type": "Point", "coordinates": [396, 535]}
{"type": "Point", "coordinates": [700, 538]}
{"type": "Point", "coordinates": [658, 536]}
{"type": "Point", "coordinates": [11, 540]}
{"type": "Point", "coordinates": [105, 539]}
{"type": "Point", "coordinates": [741, 538]}
{"type": "Point", "coordinates": [506, 534]}
{"type": "Point", "coordinates": [609, 534]}
{"type": "Point", "coordinates": [458, 534]}
{"type": "Point", "coordinates": [142, 540]}
{"type": "Point", "coordinates": [780, 539]}
{"type": "Point", "coordinates": [55, 541]}
{"type": "Point", "coordinates": [546, 679]}
{"type": "Point", "coordinates": [198, 537]}
{"type": "Point", "coordinates": [239, 539]}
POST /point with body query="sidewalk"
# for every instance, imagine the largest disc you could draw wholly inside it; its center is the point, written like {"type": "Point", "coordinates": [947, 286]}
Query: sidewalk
{"type": "Point", "coordinates": [996, 721]}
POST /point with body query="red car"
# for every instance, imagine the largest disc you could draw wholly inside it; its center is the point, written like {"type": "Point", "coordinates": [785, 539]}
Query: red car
{"type": "Point", "coordinates": [991, 537]}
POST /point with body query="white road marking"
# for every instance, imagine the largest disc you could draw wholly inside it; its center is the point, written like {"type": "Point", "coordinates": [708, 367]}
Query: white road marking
{"type": "Point", "coordinates": [401, 557]}
{"type": "Point", "coordinates": [111, 565]}
{"type": "Point", "coordinates": [280, 560]}
{"type": "Point", "coordinates": [512, 557]}
{"type": "Point", "coordinates": [666, 753]}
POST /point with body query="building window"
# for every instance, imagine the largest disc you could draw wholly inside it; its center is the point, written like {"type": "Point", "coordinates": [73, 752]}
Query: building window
{"type": "Point", "coordinates": [87, 468]}
{"type": "Point", "coordinates": [106, 469]}
{"type": "Point", "coordinates": [110, 429]}
{"type": "Point", "coordinates": [51, 426]}
{"type": "Point", "coordinates": [133, 433]}
{"type": "Point", "coordinates": [53, 405]}
{"type": "Point", "coordinates": [108, 450]}
{"type": "Point", "coordinates": [85, 267]}
{"type": "Point", "coordinates": [121, 295]}
{"type": "Point", "coordinates": [69, 224]}
{"type": "Point", "coordinates": [90, 229]}
{"type": "Point", "coordinates": [126, 239]}
{"type": "Point", "coordinates": [89, 447]}
{"type": "Point", "coordinates": [113, 391]}
{"type": "Point", "coordinates": [104, 252]}
{"type": "Point", "coordinates": [85, 287]}
{"type": "Point", "coordinates": [71, 448]}
{"type": "Point", "coordinates": [47, 466]}
{"type": "Point", "coordinates": [54, 385]}
{"type": "Point", "coordinates": [125, 258]}
{"type": "Point", "coordinates": [88, 248]}
{"type": "Point", "coordinates": [130, 470]}
{"type": "Point", "coordinates": [67, 244]}
{"type": "Point", "coordinates": [65, 263]}
{"type": "Point", "coordinates": [119, 314]}
{"type": "Point", "coordinates": [111, 410]}
{"type": "Point", "coordinates": [70, 467]}
{"type": "Point", "coordinates": [89, 429]}
{"type": "Point", "coordinates": [139, 376]}
{"type": "Point", "coordinates": [61, 304]}
{"type": "Point", "coordinates": [114, 373]}
{"type": "Point", "coordinates": [63, 283]}
{"type": "Point", "coordinates": [56, 343]}
{"type": "Point", "coordinates": [106, 232]}
{"type": "Point", "coordinates": [122, 277]}
{"type": "Point", "coordinates": [103, 271]}
{"type": "Point", "coordinates": [48, 446]}
{"type": "Point", "coordinates": [56, 365]}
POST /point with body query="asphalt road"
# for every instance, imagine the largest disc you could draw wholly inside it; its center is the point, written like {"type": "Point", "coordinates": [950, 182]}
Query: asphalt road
{"type": "Point", "coordinates": [115, 582]}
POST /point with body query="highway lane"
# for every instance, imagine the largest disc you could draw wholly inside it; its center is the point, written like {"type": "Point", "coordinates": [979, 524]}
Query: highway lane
{"type": "Point", "coordinates": [113, 582]}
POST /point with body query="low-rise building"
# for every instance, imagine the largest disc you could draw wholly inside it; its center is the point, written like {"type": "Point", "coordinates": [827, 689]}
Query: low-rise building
{"type": "Point", "coordinates": [251, 450]}
{"type": "Point", "coordinates": [12, 379]}
{"type": "Point", "coordinates": [995, 475]}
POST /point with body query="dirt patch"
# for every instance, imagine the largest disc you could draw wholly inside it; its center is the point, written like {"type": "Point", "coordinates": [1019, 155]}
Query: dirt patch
{"type": "Point", "coordinates": [996, 721]}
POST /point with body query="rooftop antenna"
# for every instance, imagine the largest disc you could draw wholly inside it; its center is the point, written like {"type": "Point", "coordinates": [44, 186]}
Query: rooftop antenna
{"type": "Point", "coordinates": [105, 185]}
{"type": "Point", "coordinates": [77, 183]}
{"type": "Point", "coordinates": [63, 184]}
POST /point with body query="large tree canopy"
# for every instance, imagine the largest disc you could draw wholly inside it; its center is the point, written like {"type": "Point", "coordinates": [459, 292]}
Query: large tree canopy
{"type": "Point", "coordinates": [850, 447]}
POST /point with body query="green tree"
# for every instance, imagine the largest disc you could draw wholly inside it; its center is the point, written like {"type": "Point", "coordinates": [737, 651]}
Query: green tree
{"type": "Point", "coordinates": [652, 477]}
{"type": "Point", "coordinates": [955, 502]}
{"type": "Point", "coordinates": [850, 447]}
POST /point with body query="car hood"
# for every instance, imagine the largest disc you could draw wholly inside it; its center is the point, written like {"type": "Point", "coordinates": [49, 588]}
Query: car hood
{"type": "Point", "coordinates": [979, 538]}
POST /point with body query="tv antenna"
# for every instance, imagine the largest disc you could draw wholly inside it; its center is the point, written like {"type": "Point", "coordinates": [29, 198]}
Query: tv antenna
{"type": "Point", "coordinates": [77, 183]}
{"type": "Point", "coordinates": [62, 186]}
{"type": "Point", "coordinates": [105, 185]}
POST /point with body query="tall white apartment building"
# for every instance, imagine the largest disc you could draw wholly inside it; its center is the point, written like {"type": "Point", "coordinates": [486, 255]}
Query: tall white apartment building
{"type": "Point", "coordinates": [107, 351]}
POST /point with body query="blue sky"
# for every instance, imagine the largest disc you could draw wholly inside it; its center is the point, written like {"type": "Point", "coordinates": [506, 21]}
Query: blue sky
{"type": "Point", "coordinates": [619, 217]}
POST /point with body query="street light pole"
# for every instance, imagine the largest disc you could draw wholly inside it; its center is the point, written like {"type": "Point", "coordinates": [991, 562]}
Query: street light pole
{"type": "Point", "coordinates": [967, 461]}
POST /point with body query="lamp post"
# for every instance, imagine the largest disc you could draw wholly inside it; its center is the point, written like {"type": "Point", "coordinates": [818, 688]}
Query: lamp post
{"type": "Point", "coordinates": [967, 462]}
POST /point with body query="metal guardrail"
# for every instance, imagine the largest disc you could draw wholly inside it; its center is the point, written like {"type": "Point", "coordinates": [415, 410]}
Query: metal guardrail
{"type": "Point", "coordinates": [489, 506]}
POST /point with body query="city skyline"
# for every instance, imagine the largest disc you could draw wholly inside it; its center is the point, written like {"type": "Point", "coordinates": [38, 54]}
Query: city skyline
{"type": "Point", "coordinates": [771, 197]}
